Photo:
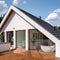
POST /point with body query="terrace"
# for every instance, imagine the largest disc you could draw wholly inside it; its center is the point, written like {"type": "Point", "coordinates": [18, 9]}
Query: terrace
{"type": "Point", "coordinates": [27, 55]}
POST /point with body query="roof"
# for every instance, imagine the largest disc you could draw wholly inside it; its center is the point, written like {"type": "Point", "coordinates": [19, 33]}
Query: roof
{"type": "Point", "coordinates": [42, 23]}
{"type": "Point", "coordinates": [39, 21]}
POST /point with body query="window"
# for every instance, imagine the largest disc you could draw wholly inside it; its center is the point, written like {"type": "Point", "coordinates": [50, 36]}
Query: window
{"type": "Point", "coordinates": [2, 37]}
{"type": "Point", "coordinates": [37, 35]}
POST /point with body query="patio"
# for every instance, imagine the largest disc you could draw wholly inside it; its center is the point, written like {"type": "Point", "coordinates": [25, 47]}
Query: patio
{"type": "Point", "coordinates": [27, 55]}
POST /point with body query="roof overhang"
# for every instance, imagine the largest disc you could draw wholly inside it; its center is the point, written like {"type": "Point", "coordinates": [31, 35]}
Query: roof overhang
{"type": "Point", "coordinates": [8, 14]}
{"type": "Point", "coordinates": [6, 17]}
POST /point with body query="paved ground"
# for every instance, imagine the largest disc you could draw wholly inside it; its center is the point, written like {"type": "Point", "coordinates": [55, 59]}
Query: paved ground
{"type": "Point", "coordinates": [27, 55]}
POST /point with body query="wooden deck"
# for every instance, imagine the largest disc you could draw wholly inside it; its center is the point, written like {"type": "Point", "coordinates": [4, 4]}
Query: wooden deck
{"type": "Point", "coordinates": [27, 55]}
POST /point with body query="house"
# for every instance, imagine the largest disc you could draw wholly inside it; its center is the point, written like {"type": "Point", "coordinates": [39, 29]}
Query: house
{"type": "Point", "coordinates": [20, 28]}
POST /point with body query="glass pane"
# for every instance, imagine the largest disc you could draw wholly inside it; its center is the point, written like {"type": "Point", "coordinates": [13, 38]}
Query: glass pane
{"type": "Point", "coordinates": [2, 37]}
{"type": "Point", "coordinates": [21, 39]}
{"type": "Point", "coordinates": [10, 37]}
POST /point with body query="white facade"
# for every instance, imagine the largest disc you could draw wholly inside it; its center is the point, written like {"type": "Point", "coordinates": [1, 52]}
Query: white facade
{"type": "Point", "coordinates": [15, 22]}
{"type": "Point", "coordinates": [19, 21]}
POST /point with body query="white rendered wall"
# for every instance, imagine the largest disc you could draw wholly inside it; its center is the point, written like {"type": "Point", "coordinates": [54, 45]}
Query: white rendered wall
{"type": "Point", "coordinates": [58, 49]}
{"type": "Point", "coordinates": [17, 23]}
{"type": "Point", "coordinates": [27, 40]}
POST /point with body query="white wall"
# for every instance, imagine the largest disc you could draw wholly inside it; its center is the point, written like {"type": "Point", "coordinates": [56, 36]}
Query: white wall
{"type": "Point", "coordinates": [58, 50]}
{"type": "Point", "coordinates": [17, 23]}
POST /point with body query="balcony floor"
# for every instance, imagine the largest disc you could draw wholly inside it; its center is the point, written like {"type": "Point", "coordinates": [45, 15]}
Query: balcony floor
{"type": "Point", "coordinates": [21, 54]}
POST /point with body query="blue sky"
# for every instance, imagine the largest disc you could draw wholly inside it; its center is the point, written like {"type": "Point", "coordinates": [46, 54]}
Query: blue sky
{"type": "Point", "coordinates": [49, 10]}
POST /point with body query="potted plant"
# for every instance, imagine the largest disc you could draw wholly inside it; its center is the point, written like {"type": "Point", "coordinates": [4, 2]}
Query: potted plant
{"type": "Point", "coordinates": [33, 42]}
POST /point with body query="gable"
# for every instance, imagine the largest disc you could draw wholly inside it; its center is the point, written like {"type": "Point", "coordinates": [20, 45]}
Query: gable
{"type": "Point", "coordinates": [22, 20]}
{"type": "Point", "coordinates": [16, 22]}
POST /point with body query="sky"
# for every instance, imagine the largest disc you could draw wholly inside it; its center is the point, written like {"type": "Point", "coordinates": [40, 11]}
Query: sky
{"type": "Point", "coordinates": [49, 10]}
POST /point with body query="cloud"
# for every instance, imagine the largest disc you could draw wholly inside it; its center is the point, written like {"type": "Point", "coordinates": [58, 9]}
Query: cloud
{"type": "Point", "coordinates": [24, 2]}
{"type": "Point", "coordinates": [51, 16]}
{"type": "Point", "coordinates": [54, 17]}
{"type": "Point", "coordinates": [57, 10]}
{"type": "Point", "coordinates": [15, 2]}
{"type": "Point", "coordinates": [3, 7]}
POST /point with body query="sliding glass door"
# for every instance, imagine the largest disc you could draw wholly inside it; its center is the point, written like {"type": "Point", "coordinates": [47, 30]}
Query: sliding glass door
{"type": "Point", "coordinates": [21, 39]}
